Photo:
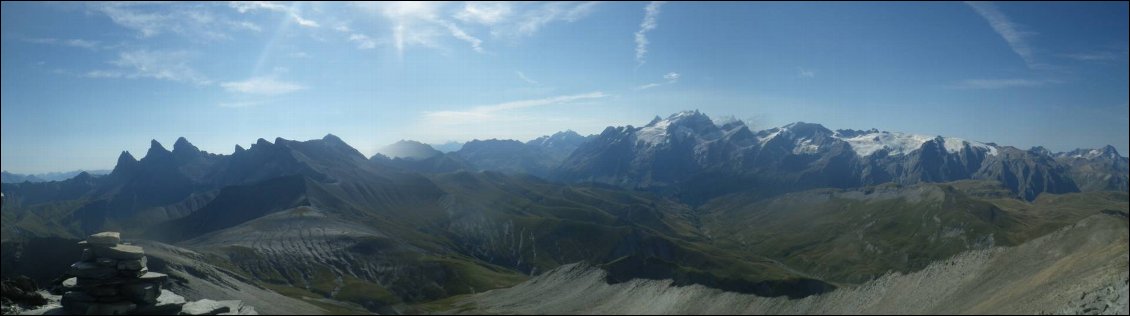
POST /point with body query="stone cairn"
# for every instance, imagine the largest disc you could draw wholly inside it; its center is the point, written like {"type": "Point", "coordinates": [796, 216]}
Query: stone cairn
{"type": "Point", "coordinates": [112, 279]}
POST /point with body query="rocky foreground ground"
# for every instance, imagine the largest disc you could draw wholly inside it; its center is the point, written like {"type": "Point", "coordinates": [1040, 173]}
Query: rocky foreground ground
{"type": "Point", "coordinates": [111, 278]}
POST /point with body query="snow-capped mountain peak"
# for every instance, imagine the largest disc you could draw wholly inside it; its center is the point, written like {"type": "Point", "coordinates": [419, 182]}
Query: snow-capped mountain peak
{"type": "Point", "coordinates": [806, 138]}
{"type": "Point", "coordinates": [682, 124]}
{"type": "Point", "coordinates": [556, 139]}
{"type": "Point", "coordinates": [1107, 152]}
{"type": "Point", "coordinates": [798, 131]}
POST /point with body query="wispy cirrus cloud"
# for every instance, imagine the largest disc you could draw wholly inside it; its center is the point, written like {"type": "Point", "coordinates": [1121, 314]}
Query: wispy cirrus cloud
{"type": "Point", "coordinates": [502, 120]}
{"type": "Point", "coordinates": [522, 75]}
{"type": "Point", "coordinates": [490, 111]}
{"type": "Point", "coordinates": [304, 22]}
{"type": "Point", "coordinates": [485, 13]}
{"type": "Point", "coordinates": [292, 10]}
{"type": "Point", "coordinates": [363, 41]}
{"type": "Point", "coordinates": [1014, 34]}
{"type": "Point", "coordinates": [427, 24]}
{"type": "Point", "coordinates": [242, 104]}
{"type": "Point", "coordinates": [650, 22]}
{"type": "Point", "coordinates": [457, 32]}
{"type": "Point", "coordinates": [805, 73]}
{"type": "Point", "coordinates": [1096, 56]}
{"type": "Point", "coordinates": [531, 21]}
{"type": "Point", "coordinates": [249, 26]}
{"type": "Point", "coordinates": [262, 86]}
{"type": "Point", "coordinates": [418, 23]}
{"type": "Point", "coordinates": [73, 42]}
{"type": "Point", "coordinates": [994, 84]}
{"type": "Point", "coordinates": [192, 20]}
{"type": "Point", "coordinates": [670, 77]}
{"type": "Point", "coordinates": [160, 65]}
{"type": "Point", "coordinates": [245, 6]}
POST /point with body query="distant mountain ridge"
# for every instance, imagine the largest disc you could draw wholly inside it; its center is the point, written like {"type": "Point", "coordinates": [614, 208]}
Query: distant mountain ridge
{"type": "Point", "coordinates": [408, 149]}
{"type": "Point", "coordinates": [7, 177]}
{"type": "Point", "coordinates": [687, 154]}
{"type": "Point", "coordinates": [693, 157]}
{"type": "Point", "coordinates": [539, 156]}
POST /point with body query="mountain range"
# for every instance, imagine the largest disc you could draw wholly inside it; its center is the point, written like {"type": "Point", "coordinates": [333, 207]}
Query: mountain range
{"type": "Point", "coordinates": [793, 211]}
{"type": "Point", "coordinates": [689, 156]}
{"type": "Point", "coordinates": [7, 177]}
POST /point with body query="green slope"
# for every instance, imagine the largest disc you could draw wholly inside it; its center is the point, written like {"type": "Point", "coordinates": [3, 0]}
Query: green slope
{"type": "Point", "coordinates": [855, 235]}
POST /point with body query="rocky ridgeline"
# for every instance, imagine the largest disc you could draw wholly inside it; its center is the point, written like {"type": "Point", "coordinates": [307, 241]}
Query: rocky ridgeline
{"type": "Point", "coordinates": [113, 279]}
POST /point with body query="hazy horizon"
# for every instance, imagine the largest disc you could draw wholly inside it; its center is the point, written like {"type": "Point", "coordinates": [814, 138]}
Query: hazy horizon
{"type": "Point", "coordinates": [83, 82]}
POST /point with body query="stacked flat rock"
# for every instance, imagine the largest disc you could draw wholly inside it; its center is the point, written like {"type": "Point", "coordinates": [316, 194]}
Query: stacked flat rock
{"type": "Point", "coordinates": [112, 279]}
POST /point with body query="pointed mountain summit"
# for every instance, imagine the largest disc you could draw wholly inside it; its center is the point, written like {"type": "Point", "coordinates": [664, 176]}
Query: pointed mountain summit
{"type": "Point", "coordinates": [127, 164]}
{"type": "Point", "coordinates": [333, 139]}
{"type": "Point", "coordinates": [184, 150]}
{"type": "Point", "coordinates": [155, 146]}
{"type": "Point", "coordinates": [1040, 151]}
{"type": "Point", "coordinates": [568, 136]}
{"type": "Point", "coordinates": [679, 126]}
{"type": "Point", "coordinates": [559, 145]}
{"type": "Point", "coordinates": [409, 149]}
{"type": "Point", "coordinates": [156, 151]}
{"type": "Point", "coordinates": [1110, 152]}
{"type": "Point", "coordinates": [183, 145]}
{"type": "Point", "coordinates": [806, 130]}
{"type": "Point", "coordinates": [126, 158]}
{"type": "Point", "coordinates": [83, 177]}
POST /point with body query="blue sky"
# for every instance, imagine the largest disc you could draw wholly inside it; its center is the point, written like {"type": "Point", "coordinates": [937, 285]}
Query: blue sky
{"type": "Point", "coordinates": [82, 82]}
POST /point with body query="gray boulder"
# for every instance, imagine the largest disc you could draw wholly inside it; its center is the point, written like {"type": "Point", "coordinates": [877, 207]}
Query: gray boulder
{"type": "Point", "coordinates": [106, 262]}
{"type": "Point", "coordinates": [120, 252]}
{"type": "Point", "coordinates": [132, 265]}
{"type": "Point", "coordinates": [104, 239]}
{"type": "Point", "coordinates": [87, 270]}
{"type": "Point", "coordinates": [141, 293]}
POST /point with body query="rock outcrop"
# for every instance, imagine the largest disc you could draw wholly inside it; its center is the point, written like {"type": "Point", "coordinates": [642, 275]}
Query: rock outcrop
{"type": "Point", "coordinates": [112, 278]}
{"type": "Point", "coordinates": [20, 291]}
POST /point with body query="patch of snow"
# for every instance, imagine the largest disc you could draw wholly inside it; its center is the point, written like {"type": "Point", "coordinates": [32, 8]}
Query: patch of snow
{"type": "Point", "coordinates": [955, 145]}
{"type": "Point", "coordinates": [655, 133]}
{"type": "Point", "coordinates": [805, 146]}
{"type": "Point", "coordinates": [1091, 154]}
{"type": "Point", "coordinates": [897, 143]}
{"type": "Point", "coordinates": [769, 137]}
